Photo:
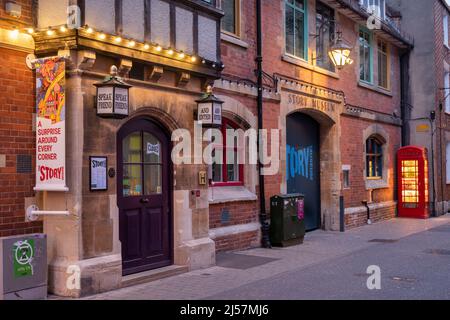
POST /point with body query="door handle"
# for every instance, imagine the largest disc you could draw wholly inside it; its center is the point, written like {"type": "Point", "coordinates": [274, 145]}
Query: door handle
{"type": "Point", "coordinates": [145, 200]}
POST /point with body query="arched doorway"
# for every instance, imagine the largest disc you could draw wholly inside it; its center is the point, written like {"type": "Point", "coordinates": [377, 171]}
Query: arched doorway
{"type": "Point", "coordinates": [303, 164]}
{"type": "Point", "coordinates": [144, 195]}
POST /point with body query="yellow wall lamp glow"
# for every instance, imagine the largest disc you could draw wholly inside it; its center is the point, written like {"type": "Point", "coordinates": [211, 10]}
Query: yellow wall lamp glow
{"type": "Point", "coordinates": [339, 53]}
{"type": "Point", "coordinates": [16, 38]}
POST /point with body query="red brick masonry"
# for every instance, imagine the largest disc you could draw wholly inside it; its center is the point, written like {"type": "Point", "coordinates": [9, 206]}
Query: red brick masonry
{"type": "Point", "coordinates": [359, 219]}
{"type": "Point", "coordinates": [16, 138]}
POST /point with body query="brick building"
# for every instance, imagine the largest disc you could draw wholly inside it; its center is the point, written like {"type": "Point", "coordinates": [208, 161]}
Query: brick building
{"type": "Point", "coordinates": [234, 208]}
{"type": "Point", "coordinates": [338, 129]}
{"type": "Point", "coordinates": [17, 138]}
{"type": "Point", "coordinates": [429, 82]}
{"type": "Point", "coordinates": [355, 112]}
{"type": "Point", "coordinates": [351, 110]}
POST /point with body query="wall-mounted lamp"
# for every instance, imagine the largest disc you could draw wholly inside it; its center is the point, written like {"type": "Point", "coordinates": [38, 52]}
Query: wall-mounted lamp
{"type": "Point", "coordinates": [113, 96]}
{"type": "Point", "coordinates": [209, 112]}
{"type": "Point", "coordinates": [339, 52]}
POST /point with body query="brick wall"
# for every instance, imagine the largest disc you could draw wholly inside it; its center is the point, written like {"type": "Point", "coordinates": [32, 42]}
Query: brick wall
{"type": "Point", "coordinates": [233, 213]}
{"type": "Point", "coordinates": [26, 17]}
{"type": "Point", "coordinates": [348, 77]}
{"type": "Point", "coordinates": [239, 64]}
{"type": "Point", "coordinates": [352, 145]}
{"type": "Point", "coordinates": [237, 242]}
{"type": "Point", "coordinates": [16, 138]}
{"type": "Point", "coordinates": [240, 61]}
{"type": "Point", "coordinates": [271, 117]}
{"type": "Point", "coordinates": [353, 148]}
{"type": "Point", "coordinates": [441, 55]}
{"type": "Point", "coordinates": [360, 219]}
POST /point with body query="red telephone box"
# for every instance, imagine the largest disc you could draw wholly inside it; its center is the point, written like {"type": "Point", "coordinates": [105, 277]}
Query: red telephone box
{"type": "Point", "coordinates": [413, 195]}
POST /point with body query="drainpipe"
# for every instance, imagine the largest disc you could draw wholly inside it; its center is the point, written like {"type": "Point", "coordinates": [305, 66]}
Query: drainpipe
{"type": "Point", "coordinates": [259, 59]}
{"type": "Point", "coordinates": [366, 204]}
{"type": "Point", "coordinates": [441, 157]}
{"type": "Point", "coordinates": [405, 97]}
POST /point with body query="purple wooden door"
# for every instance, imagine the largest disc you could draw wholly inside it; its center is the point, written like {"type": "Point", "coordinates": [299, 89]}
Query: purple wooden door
{"type": "Point", "coordinates": [144, 196]}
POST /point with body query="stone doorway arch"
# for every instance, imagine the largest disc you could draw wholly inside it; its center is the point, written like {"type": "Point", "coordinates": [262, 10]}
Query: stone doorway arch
{"type": "Point", "coordinates": [327, 113]}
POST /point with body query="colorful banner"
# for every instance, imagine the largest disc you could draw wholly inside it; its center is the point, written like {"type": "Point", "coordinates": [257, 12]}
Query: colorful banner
{"type": "Point", "coordinates": [50, 125]}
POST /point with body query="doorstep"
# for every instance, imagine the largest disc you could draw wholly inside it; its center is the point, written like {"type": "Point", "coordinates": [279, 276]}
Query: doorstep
{"type": "Point", "coordinates": [152, 275]}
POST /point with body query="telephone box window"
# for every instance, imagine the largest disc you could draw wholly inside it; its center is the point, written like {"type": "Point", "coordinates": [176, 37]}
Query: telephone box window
{"type": "Point", "coordinates": [413, 192]}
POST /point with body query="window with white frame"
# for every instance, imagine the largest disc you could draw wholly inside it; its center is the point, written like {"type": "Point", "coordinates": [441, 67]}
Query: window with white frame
{"type": "Point", "coordinates": [377, 7]}
{"type": "Point", "coordinates": [445, 22]}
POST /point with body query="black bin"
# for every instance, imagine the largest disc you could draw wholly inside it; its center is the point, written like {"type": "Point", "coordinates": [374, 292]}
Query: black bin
{"type": "Point", "coordinates": [287, 220]}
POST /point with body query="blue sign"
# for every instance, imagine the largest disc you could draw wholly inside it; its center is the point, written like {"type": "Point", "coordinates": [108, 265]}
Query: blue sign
{"type": "Point", "coordinates": [300, 162]}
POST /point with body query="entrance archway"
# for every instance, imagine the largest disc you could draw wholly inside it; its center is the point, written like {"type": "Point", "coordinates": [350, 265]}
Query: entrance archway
{"type": "Point", "coordinates": [144, 196]}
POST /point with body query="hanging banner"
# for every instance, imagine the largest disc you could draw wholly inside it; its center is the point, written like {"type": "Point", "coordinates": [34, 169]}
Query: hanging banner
{"type": "Point", "coordinates": [50, 125]}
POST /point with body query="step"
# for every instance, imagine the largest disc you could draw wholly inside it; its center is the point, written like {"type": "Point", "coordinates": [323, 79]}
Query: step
{"type": "Point", "coordinates": [152, 275]}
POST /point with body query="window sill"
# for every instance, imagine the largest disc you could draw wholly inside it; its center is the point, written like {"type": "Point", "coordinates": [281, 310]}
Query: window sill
{"type": "Point", "coordinates": [372, 184]}
{"type": "Point", "coordinates": [233, 40]}
{"type": "Point", "coordinates": [219, 195]}
{"type": "Point", "coordinates": [375, 88]}
{"type": "Point", "coordinates": [304, 64]}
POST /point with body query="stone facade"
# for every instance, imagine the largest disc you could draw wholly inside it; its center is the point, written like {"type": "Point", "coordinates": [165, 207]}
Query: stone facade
{"type": "Point", "coordinates": [165, 89]}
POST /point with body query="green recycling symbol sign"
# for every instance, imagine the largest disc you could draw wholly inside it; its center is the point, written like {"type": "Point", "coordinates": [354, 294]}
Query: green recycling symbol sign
{"type": "Point", "coordinates": [23, 255]}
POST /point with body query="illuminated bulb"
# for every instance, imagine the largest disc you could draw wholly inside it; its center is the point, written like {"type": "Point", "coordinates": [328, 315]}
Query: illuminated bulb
{"type": "Point", "coordinates": [132, 43]}
{"type": "Point", "coordinates": [30, 30]}
{"type": "Point", "coordinates": [102, 36]}
{"type": "Point", "coordinates": [50, 32]}
{"type": "Point", "coordinates": [193, 59]}
{"type": "Point", "coordinates": [118, 39]}
{"type": "Point", "coordinates": [203, 61]}
{"type": "Point", "coordinates": [170, 52]}
{"type": "Point", "coordinates": [159, 48]}
{"type": "Point", "coordinates": [63, 29]}
{"type": "Point", "coordinates": [90, 30]}
{"type": "Point", "coordinates": [146, 46]}
{"type": "Point", "coordinates": [14, 34]}
{"type": "Point", "coordinates": [181, 55]}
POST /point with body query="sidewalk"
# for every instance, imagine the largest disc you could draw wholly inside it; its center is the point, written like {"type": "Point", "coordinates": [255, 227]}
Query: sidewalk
{"type": "Point", "coordinates": [245, 267]}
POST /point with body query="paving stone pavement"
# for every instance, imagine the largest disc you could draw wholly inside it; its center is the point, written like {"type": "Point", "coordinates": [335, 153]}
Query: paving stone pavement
{"type": "Point", "coordinates": [319, 249]}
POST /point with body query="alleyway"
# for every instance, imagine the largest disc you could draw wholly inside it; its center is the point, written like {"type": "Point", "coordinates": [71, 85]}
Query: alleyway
{"type": "Point", "coordinates": [414, 257]}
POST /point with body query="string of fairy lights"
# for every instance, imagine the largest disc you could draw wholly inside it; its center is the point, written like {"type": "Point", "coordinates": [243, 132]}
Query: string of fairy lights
{"type": "Point", "coordinates": [118, 40]}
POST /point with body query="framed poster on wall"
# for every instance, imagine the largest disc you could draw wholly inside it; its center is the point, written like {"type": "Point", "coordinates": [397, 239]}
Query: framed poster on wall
{"type": "Point", "coordinates": [98, 173]}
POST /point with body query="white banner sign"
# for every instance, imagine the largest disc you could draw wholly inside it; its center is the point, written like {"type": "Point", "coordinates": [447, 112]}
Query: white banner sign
{"type": "Point", "coordinates": [50, 125]}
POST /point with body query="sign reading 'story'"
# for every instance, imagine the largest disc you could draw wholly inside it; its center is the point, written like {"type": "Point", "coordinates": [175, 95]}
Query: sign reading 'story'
{"type": "Point", "coordinates": [50, 125]}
